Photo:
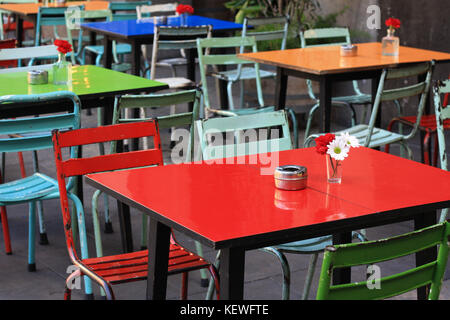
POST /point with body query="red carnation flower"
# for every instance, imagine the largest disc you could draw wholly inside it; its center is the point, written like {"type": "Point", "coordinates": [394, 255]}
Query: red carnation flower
{"type": "Point", "coordinates": [323, 141]}
{"type": "Point", "coordinates": [184, 8]}
{"type": "Point", "coordinates": [63, 46]}
{"type": "Point", "coordinates": [393, 23]}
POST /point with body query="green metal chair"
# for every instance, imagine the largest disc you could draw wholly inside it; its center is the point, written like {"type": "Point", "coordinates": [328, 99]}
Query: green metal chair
{"type": "Point", "coordinates": [73, 22]}
{"type": "Point", "coordinates": [326, 37]}
{"type": "Point", "coordinates": [206, 59]}
{"type": "Point", "coordinates": [442, 113]}
{"type": "Point", "coordinates": [372, 137]}
{"type": "Point", "coordinates": [37, 186]}
{"type": "Point", "coordinates": [212, 150]}
{"type": "Point", "coordinates": [126, 10]}
{"type": "Point", "coordinates": [372, 252]}
{"type": "Point", "coordinates": [279, 32]}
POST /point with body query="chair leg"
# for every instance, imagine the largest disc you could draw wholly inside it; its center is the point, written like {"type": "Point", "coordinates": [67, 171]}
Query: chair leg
{"type": "Point", "coordinates": [204, 282]}
{"type": "Point", "coordinates": [43, 240]}
{"type": "Point", "coordinates": [285, 268]}
{"type": "Point", "coordinates": [144, 232]}
{"type": "Point", "coordinates": [97, 233]}
{"type": "Point", "coordinates": [184, 285]}
{"type": "Point", "coordinates": [425, 146]}
{"type": "Point", "coordinates": [212, 284]}
{"type": "Point", "coordinates": [31, 236]}
{"type": "Point", "coordinates": [68, 286]}
{"type": "Point", "coordinates": [4, 221]}
{"type": "Point", "coordinates": [294, 126]}
{"type": "Point", "coordinates": [310, 275]}
{"type": "Point", "coordinates": [309, 121]}
{"type": "Point", "coordinates": [215, 275]}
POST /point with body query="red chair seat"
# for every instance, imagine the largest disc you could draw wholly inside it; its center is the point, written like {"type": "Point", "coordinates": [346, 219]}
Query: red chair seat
{"type": "Point", "coordinates": [133, 266]}
{"type": "Point", "coordinates": [427, 122]}
{"type": "Point", "coordinates": [11, 26]}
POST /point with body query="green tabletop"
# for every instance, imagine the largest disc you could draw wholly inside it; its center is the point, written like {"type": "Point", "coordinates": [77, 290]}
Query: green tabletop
{"type": "Point", "coordinates": [86, 80]}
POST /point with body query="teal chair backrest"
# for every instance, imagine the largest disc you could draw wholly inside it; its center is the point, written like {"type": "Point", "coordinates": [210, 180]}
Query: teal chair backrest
{"type": "Point", "coordinates": [126, 10]}
{"type": "Point", "coordinates": [159, 101]}
{"type": "Point", "coordinates": [421, 89]}
{"type": "Point", "coordinates": [206, 58]}
{"type": "Point", "coordinates": [280, 33]}
{"type": "Point", "coordinates": [373, 252]}
{"type": "Point", "coordinates": [34, 133]}
{"type": "Point", "coordinates": [52, 16]}
{"type": "Point", "coordinates": [252, 134]}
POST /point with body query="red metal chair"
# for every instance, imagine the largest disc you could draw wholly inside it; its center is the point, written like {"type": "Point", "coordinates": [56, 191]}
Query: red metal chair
{"type": "Point", "coordinates": [427, 125]}
{"type": "Point", "coordinates": [109, 270]}
{"type": "Point", "coordinates": [7, 44]}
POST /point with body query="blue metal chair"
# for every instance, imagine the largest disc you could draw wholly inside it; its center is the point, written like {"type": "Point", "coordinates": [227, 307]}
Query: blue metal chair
{"type": "Point", "coordinates": [37, 186]}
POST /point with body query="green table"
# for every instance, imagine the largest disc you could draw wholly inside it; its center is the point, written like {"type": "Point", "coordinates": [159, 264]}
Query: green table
{"type": "Point", "coordinates": [95, 86]}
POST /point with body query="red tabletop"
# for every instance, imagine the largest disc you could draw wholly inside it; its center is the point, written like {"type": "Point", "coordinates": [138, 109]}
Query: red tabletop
{"type": "Point", "coordinates": [225, 204]}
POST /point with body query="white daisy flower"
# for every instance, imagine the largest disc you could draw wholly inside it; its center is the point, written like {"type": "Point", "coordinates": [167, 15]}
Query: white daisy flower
{"type": "Point", "coordinates": [351, 141]}
{"type": "Point", "coordinates": [338, 149]}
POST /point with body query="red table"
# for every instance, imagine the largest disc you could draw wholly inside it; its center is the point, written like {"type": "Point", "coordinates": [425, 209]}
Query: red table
{"type": "Point", "coordinates": [233, 207]}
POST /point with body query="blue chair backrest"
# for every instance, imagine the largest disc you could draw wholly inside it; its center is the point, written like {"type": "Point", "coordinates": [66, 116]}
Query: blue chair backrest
{"type": "Point", "coordinates": [39, 127]}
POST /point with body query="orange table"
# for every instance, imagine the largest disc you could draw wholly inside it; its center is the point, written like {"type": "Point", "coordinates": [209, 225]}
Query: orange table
{"type": "Point", "coordinates": [235, 207]}
{"type": "Point", "coordinates": [325, 65]}
{"type": "Point", "coordinates": [29, 11]}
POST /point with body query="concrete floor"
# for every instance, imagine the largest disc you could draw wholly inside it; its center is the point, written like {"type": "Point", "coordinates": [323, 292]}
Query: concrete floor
{"type": "Point", "coordinates": [262, 272]}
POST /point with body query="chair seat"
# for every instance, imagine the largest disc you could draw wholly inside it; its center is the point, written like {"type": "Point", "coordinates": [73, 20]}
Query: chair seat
{"type": "Point", "coordinates": [355, 99]}
{"type": "Point", "coordinates": [171, 62]}
{"type": "Point", "coordinates": [121, 48]}
{"type": "Point", "coordinates": [380, 137]}
{"type": "Point", "coordinates": [247, 73]}
{"type": "Point", "coordinates": [243, 111]}
{"type": "Point", "coordinates": [177, 83]}
{"type": "Point", "coordinates": [306, 246]}
{"type": "Point", "coordinates": [34, 187]}
{"type": "Point", "coordinates": [133, 266]}
{"type": "Point", "coordinates": [427, 122]}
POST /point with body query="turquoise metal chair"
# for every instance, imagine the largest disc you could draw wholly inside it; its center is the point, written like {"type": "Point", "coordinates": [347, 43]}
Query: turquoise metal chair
{"type": "Point", "coordinates": [38, 186]}
{"type": "Point", "coordinates": [326, 37]}
{"type": "Point", "coordinates": [52, 16]}
{"type": "Point", "coordinates": [206, 59]}
{"type": "Point", "coordinates": [126, 10]}
{"type": "Point", "coordinates": [81, 49]}
{"type": "Point", "coordinates": [240, 147]}
{"type": "Point", "coordinates": [373, 252]}
{"type": "Point", "coordinates": [372, 137]}
{"type": "Point", "coordinates": [279, 31]}
{"type": "Point", "coordinates": [442, 114]}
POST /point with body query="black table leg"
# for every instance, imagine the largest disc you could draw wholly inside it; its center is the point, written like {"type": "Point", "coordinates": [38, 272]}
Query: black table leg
{"type": "Point", "coordinates": [342, 275]}
{"type": "Point", "coordinates": [190, 71]}
{"type": "Point", "coordinates": [108, 53]}
{"type": "Point", "coordinates": [19, 30]}
{"type": "Point", "coordinates": [231, 271]}
{"type": "Point", "coordinates": [425, 256]}
{"type": "Point", "coordinates": [325, 104]}
{"type": "Point", "coordinates": [158, 258]}
{"type": "Point", "coordinates": [136, 58]}
{"type": "Point", "coordinates": [280, 89]}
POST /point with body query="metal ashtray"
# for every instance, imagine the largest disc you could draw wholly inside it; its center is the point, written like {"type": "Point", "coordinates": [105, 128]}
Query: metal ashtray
{"type": "Point", "coordinates": [349, 50]}
{"type": "Point", "coordinates": [37, 77]}
{"type": "Point", "coordinates": [291, 177]}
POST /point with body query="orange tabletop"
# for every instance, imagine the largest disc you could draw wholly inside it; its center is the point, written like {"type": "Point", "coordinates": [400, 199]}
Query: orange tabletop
{"type": "Point", "coordinates": [27, 9]}
{"type": "Point", "coordinates": [234, 207]}
{"type": "Point", "coordinates": [327, 59]}
{"type": "Point", "coordinates": [325, 65]}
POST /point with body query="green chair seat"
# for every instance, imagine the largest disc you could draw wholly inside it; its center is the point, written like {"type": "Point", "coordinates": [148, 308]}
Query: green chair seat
{"type": "Point", "coordinates": [246, 73]}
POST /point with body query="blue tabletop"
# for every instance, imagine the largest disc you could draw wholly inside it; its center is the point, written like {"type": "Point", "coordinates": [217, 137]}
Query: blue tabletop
{"type": "Point", "coordinates": [144, 27]}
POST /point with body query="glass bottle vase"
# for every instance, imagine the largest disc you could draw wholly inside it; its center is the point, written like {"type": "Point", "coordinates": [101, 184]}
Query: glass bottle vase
{"type": "Point", "coordinates": [390, 44]}
{"type": "Point", "coordinates": [334, 169]}
{"type": "Point", "coordinates": [62, 71]}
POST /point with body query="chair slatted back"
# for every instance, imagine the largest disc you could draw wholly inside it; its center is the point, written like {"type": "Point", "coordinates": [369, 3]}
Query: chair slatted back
{"type": "Point", "coordinates": [126, 10]}
{"type": "Point", "coordinates": [163, 101]}
{"type": "Point", "coordinates": [37, 125]}
{"type": "Point", "coordinates": [74, 19]}
{"type": "Point", "coordinates": [276, 34]}
{"type": "Point", "coordinates": [108, 162]}
{"type": "Point", "coordinates": [156, 9]}
{"type": "Point", "coordinates": [52, 16]}
{"type": "Point", "coordinates": [373, 252]}
{"type": "Point", "coordinates": [29, 53]}
{"type": "Point", "coordinates": [243, 127]}
{"type": "Point", "coordinates": [206, 59]}
{"type": "Point", "coordinates": [175, 38]}
{"type": "Point", "coordinates": [421, 88]}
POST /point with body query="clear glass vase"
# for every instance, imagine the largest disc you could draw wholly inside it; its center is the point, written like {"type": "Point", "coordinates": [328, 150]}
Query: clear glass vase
{"type": "Point", "coordinates": [390, 44]}
{"type": "Point", "coordinates": [334, 169]}
{"type": "Point", "coordinates": [62, 71]}
{"type": "Point", "coordinates": [184, 19]}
